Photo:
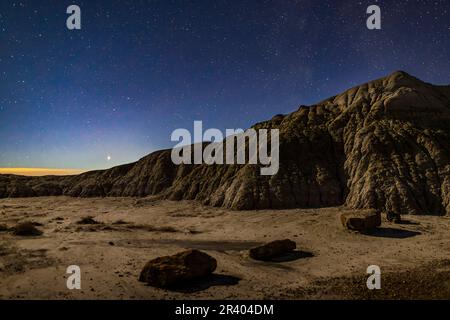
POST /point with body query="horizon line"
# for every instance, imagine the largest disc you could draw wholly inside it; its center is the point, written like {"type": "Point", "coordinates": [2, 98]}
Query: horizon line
{"type": "Point", "coordinates": [36, 172]}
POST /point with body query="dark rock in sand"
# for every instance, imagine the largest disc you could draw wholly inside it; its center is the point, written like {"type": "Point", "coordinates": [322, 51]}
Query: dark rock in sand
{"type": "Point", "coordinates": [362, 221]}
{"type": "Point", "coordinates": [3, 228]}
{"type": "Point", "coordinates": [173, 270]}
{"type": "Point", "coordinates": [88, 220]}
{"type": "Point", "coordinates": [26, 229]}
{"type": "Point", "coordinates": [272, 249]}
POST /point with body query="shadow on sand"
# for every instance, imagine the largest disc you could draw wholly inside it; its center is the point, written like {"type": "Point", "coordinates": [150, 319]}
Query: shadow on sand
{"type": "Point", "coordinates": [292, 256]}
{"type": "Point", "coordinates": [393, 233]}
{"type": "Point", "coordinates": [205, 283]}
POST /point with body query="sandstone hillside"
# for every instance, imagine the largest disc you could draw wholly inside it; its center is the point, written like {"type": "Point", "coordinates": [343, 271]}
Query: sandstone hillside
{"type": "Point", "coordinates": [384, 144]}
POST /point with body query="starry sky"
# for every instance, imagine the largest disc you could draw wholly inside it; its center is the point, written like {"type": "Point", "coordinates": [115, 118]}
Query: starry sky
{"type": "Point", "coordinates": [115, 90]}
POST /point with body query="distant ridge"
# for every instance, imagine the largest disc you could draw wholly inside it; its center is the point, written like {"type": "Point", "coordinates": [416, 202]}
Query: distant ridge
{"type": "Point", "coordinates": [384, 144]}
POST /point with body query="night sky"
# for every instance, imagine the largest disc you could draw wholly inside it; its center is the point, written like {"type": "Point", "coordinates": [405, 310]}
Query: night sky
{"type": "Point", "coordinates": [140, 69]}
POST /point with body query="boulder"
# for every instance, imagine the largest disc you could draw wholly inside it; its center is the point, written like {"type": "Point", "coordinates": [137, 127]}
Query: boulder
{"type": "Point", "coordinates": [362, 220]}
{"type": "Point", "coordinates": [273, 249]}
{"type": "Point", "coordinates": [173, 270]}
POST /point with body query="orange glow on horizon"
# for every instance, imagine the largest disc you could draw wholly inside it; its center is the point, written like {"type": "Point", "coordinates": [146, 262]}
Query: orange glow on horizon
{"type": "Point", "coordinates": [37, 172]}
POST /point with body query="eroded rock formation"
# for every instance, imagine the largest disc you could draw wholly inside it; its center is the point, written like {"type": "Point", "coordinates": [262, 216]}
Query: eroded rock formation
{"type": "Point", "coordinates": [384, 144]}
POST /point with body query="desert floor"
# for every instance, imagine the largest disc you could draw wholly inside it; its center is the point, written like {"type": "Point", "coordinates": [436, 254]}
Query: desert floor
{"type": "Point", "coordinates": [331, 263]}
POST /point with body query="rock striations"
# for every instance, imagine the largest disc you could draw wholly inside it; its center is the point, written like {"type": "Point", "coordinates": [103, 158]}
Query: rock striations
{"type": "Point", "coordinates": [382, 145]}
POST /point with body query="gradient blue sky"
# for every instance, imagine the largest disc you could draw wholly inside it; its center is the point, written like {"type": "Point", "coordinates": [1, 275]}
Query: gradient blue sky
{"type": "Point", "coordinates": [140, 69]}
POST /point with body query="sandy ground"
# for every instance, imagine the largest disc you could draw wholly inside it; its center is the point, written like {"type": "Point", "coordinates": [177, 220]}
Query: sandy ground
{"type": "Point", "coordinates": [331, 263]}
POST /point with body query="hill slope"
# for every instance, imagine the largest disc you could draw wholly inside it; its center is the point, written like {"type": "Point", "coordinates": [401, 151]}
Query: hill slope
{"type": "Point", "coordinates": [384, 144]}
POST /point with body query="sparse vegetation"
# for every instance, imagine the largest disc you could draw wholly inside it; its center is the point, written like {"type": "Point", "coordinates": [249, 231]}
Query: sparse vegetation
{"type": "Point", "coordinates": [26, 229]}
{"type": "Point", "coordinates": [120, 222]}
{"type": "Point", "coordinates": [333, 153]}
